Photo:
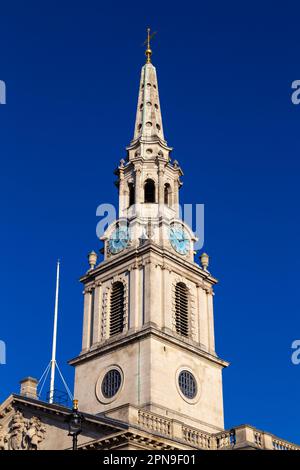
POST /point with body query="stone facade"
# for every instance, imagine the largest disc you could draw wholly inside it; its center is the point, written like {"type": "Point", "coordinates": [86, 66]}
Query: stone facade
{"type": "Point", "coordinates": [149, 345]}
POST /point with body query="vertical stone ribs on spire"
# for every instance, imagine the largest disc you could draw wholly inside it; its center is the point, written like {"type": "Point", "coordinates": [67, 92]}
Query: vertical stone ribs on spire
{"type": "Point", "coordinates": [148, 123]}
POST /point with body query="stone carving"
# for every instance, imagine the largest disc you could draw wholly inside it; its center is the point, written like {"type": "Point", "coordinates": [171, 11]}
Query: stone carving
{"type": "Point", "coordinates": [3, 439]}
{"type": "Point", "coordinates": [17, 431]}
{"type": "Point", "coordinates": [5, 411]}
{"type": "Point", "coordinates": [35, 434]}
{"type": "Point", "coordinates": [23, 434]}
{"type": "Point", "coordinates": [149, 230]}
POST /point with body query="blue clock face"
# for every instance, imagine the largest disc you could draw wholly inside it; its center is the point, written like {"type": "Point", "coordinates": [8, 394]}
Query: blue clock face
{"type": "Point", "coordinates": [119, 240]}
{"type": "Point", "coordinates": [179, 239]}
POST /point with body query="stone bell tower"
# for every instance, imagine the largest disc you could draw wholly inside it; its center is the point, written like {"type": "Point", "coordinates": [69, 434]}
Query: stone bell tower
{"type": "Point", "coordinates": [148, 330]}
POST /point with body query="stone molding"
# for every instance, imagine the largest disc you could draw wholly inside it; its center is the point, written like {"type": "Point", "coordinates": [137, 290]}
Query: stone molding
{"type": "Point", "coordinates": [165, 335]}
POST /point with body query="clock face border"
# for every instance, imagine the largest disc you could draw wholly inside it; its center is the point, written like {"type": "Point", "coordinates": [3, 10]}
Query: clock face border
{"type": "Point", "coordinates": [117, 244]}
{"type": "Point", "coordinates": [179, 239]}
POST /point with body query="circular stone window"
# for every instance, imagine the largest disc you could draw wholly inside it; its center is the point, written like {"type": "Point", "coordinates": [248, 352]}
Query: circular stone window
{"type": "Point", "coordinates": [109, 384]}
{"type": "Point", "coordinates": [187, 384]}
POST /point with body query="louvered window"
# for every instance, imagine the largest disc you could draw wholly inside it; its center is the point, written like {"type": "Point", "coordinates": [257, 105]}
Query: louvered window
{"type": "Point", "coordinates": [116, 309]}
{"type": "Point", "coordinates": [181, 309]}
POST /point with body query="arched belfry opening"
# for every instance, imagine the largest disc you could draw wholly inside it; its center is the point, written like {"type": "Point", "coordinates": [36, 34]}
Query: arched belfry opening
{"type": "Point", "coordinates": [131, 194]}
{"type": "Point", "coordinates": [167, 194]}
{"type": "Point", "coordinates": [149, 191]}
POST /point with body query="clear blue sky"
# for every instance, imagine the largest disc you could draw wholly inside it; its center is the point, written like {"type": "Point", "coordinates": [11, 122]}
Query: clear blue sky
{"type": "Point", "coordinates": [225, 71]}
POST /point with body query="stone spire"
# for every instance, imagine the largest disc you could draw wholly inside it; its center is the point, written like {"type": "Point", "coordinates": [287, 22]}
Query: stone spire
{"type": "Point", "coordinates": [148, 122]}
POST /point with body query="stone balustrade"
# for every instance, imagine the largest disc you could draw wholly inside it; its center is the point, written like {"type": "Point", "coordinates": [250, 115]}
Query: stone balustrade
{"type": "Point", "coordinates": [248, 437]}
{"type": "Point", "coordinates": [154, 422]}
{"type": "Point", "coordinates": [241, 437]}
{"type": "Point", "coordinates": [197, 438]}
{"type": "Point", "coordinates": [225, 440]}
{"type": "Point", "coordinates": [279, 444]}
{"type": "Point", "coordinates": [258, 439]}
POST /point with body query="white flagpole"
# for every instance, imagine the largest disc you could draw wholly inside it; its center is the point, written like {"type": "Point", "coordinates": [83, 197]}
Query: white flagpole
{"type": "Point", "coordinates": [53, 359]}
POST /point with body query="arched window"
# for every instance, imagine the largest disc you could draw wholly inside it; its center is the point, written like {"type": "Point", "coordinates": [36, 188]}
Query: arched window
{"type": "Point", "coordinates": [131, 194]}
{"type": "Point", "coordinates": [116, 324]}
{"type": "Point", "coordinates": [149, 191]}
{"type": "Point", "coordinates": [167, 194]}
{"type": "Point", "coordinates": [181, 309]}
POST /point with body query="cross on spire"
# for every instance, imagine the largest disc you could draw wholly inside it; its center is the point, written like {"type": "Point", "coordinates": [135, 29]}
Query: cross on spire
{"type": "Point", "coordinates": [148, 52]}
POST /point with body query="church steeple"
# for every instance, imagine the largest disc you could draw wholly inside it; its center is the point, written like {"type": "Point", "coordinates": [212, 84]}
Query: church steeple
{"type": "Point", "coordinates": [148, 167]}
{"type": "Point", "coordinates": [148, 122]}
{"type": "Point", "coordinates": [148, 335]}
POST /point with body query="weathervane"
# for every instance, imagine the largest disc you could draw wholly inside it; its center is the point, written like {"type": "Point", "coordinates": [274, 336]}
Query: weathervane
{"type": "Point", "coordinates": [148, 52]}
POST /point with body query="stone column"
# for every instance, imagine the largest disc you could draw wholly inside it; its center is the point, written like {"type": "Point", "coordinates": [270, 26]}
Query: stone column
{"type": "Point", "coordinates": [134, 298]}
{"type": "Point", "coordinates": [210, 315]}
{"type": "Point", "coordinates": [141, 296]}
{"type": "Point", "coordinates": [147, 291]}
{"type": "Point", "coordinates": [86, 319]}
{"type": "Point", "coordinates": [97, 313]}
{"type": "Point", "coordinates": [139, 190]}
{"type": "Point", "coordinates": [176, 196]}
{"type": "Point", "coordinates": [139, 193]}
{"type": "Point", "coordinates": [161, 195]}
{"type": "Point", "coordinates": [167, 293]}
{"type": "Point", "coordinates": [156, 303]}
{"type": "Point", "coordinates": [203, 317]}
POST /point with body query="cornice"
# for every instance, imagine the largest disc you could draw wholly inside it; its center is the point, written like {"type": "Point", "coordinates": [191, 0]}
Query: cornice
{"type": "Point", "coordinates": [16, 400]}
{"type": "Point", "coordinates": [138, 142]}
{"type": "Point", "coordinates": [148, 247]}
{"type": "Point", "coordinates": [137, 437]}
{"type": "Point", "coordinates": [149, 331]}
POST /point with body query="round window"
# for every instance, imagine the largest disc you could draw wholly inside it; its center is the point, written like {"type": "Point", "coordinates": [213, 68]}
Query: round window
{"type": "Point", "coordinates": [187, 384]}
{"type": "Point", "coordinates": [111, 383]}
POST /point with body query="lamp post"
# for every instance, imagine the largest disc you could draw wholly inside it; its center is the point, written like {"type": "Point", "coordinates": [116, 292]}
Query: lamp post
{"type": "Point", "coordinates": [75, 420]}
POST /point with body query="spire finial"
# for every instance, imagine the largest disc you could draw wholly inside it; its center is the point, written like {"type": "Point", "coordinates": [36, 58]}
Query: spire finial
{"type": "Point", "coordinates": [148, 52]}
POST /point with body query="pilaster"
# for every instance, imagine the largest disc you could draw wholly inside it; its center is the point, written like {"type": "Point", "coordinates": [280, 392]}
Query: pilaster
{"type": "Point", "coordinates": [134, 298]}
{"type": "Point", "coordinates": [203, 318]}
{"type": "Point", "coordinates": [210, 314]}
{"type": "Point", "coordinates": [97, 313]}
{"type": "Point", "coordinates": [86, 318]}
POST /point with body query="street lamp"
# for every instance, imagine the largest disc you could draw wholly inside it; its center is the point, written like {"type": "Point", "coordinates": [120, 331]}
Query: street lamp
{"type": "Point", "coordinates": [74, 421]}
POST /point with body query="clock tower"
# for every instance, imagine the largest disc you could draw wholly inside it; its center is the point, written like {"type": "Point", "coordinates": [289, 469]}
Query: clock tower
{"type": "Point", "coordinates": [148, 329]}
